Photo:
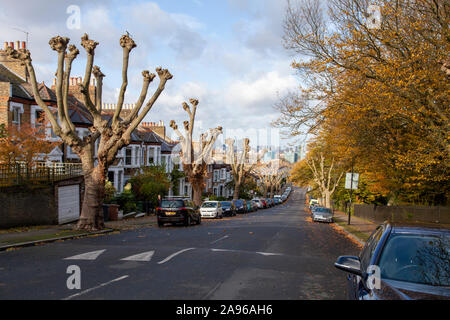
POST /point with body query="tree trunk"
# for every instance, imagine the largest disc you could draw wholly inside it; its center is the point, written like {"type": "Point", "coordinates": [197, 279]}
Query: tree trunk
{"type": "Point", "coordinates": [197, 189]}
{"type": "Point", "coordinates": [327, 198]}
{"type": "Point", "coordinates": [91, 217]}
{"type": "Point", "coordinates": [236, 191]}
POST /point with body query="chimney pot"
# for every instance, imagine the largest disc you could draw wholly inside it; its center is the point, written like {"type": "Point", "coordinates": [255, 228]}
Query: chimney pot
{"type": "Point", "coordinates": [17, 45]}
{"type": "Point", "coordinates": [80, 80]}
{"type": "Point", "coordinates": [6, 45]}
{"type": "Point", "coordinates": [11, 44]}
{"type": "Point", "coordinates": [24, 44]}
{"type": "Point", "coordinates": [54, 81]}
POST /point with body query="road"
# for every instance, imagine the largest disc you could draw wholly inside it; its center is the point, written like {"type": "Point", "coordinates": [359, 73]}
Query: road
{"type": "Point", "coordinates": [272, 254]}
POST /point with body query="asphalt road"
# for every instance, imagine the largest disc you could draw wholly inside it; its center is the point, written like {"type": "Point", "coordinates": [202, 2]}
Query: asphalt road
{"type": "Point", "coordinates": [272, 254]}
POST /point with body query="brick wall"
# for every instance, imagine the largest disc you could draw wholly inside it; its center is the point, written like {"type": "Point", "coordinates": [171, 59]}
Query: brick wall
{"type": "Point", "coordinates": [4, 97]}
{"type": "Point", "coordinates": [22, 206]}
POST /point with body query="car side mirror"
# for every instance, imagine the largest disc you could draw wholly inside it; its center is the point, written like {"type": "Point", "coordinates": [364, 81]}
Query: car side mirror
{"type": "Point", "coordinates": [349, 264]}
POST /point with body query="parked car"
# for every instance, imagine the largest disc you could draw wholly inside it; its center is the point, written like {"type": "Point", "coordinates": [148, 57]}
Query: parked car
{"type": "Point", "coordinates": [211, 209]}
{"type": "Point", "coordinates": [322, 214]}
{"type": "Point", "coordinates": [258, 202]}
{"type": "Point", "coordinates": [228, 208]}
{"type": "Point", "coordinates": [269, 202]}
{"type": "Point", "coordinates": [264, 203]}
{"type": "Point", "coordinates": [276, 201]}
{"type": "Point", "coordinates": [240, 206]}
{"type": "Point", "coordinates": [283, 197]}
{"type": "Point", "coordinates": [411, 261]}
{"type": "Point", "coordinates": [177, 211]}
{"type": "Point", "coordinates": [249, 206]}
{"type": "Point", "coordinates": [255, 206]}
{"type": "Point", "coordinates": [277, 198]}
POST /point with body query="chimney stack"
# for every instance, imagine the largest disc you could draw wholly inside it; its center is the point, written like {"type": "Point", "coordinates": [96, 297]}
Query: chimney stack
{"type": "Point", "coordinates": [11, 44]}
{"type": "Point", "coordinates": [17, 45]}
{"type": "Point", "coordinates": [6, 45]}
{"type": "Point", "coordinates": [24, 45]}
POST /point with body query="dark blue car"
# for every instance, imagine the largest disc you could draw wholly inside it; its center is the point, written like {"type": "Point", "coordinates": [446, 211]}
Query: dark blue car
{"type": "Point", "coordinates": [400, 261]}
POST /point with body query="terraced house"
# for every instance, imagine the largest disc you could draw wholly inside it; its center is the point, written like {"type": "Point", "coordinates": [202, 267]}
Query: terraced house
{"type": "Point", "coordinates": [149, 145]}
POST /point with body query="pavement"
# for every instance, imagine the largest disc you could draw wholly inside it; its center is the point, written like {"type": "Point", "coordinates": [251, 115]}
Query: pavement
{"type": "Point", "coordinates": [359, 228]}
{"type": "Point", "coordinates": [36, 235]}
{"type": "Point", "coordinates": [272, 254]}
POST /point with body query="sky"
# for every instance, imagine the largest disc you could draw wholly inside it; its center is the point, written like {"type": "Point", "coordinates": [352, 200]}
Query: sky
{"type": "Point", "coordinates": [228, 54]}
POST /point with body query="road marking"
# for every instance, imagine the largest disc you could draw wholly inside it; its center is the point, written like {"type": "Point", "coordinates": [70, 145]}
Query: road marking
{"type": "Point", "coordinates": [145, 256]}
{"type": "Point", "coordinates": [270, 254]}
{"type": "Point", "coordinates": [223, 238]}
{"type": "Point", "coordinates": [174, 254]}
{"type": "Point", "coordinates": [94, 288]}
{"type": "Point", "coordinates": [262, 253]}
{"type": "Point", "coordinates": [87, 256]}
{"type": "Point", "coordinates": [212, 291]}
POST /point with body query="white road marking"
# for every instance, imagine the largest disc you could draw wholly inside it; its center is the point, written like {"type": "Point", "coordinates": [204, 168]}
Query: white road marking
{"type": "Point", "coordinates": [145, 256]}
{"type": "Point", "coordinates": [94, 288]}
{"type": "Point", "coordinates": [270, 254]}
{"type": "Point", "coordinates": [223, 238]}
{"type": "Point", "coordinates": [174, 254]}
{"type": "Point", "coordinates": [262, 253]}
{"type": "Point", "coordinates": [87, 256]}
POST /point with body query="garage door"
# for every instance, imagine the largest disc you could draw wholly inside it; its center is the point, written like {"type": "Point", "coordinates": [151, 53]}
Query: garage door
{"type": "Point", "coordinates": [68, 204]}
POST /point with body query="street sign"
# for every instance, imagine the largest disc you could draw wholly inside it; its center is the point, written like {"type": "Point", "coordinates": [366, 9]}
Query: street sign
{"type": "Point", "coordinates": [348, 181]}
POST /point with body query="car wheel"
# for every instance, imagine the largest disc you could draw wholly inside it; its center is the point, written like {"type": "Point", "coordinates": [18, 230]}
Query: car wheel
{"type": "Point", "coordinates": [188, 221]}
{"type": "Point", "coordinates": [160, 224]}
{"type": "Point", "coordinates": [199, 220]}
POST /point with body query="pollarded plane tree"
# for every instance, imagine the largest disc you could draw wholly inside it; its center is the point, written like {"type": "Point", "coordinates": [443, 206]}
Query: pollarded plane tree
{"type": "Point", "coordinates": [195, 156]}
{"type": "Point", "coordinates": [113, 134]}
{"type": "Point", "coordinates": [270, 175]}
{"type": "Point", "coordinates": [326, 175]}
{"type": "Point", "coordinates": [241, 162]}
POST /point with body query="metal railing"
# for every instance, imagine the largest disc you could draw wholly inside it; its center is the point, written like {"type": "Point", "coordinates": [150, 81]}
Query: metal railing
{"type": "Point", "coordinates": [40, 172]}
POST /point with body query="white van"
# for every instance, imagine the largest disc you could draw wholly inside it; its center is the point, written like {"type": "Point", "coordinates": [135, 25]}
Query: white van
{"type": "Point", "coordinates": [211, 209]}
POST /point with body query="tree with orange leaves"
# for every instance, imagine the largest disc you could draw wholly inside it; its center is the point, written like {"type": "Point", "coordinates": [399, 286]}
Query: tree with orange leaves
{"type": "Point", "coordinates": [379, 95]}
{"type": "Point", "coordinates": [25, 144]}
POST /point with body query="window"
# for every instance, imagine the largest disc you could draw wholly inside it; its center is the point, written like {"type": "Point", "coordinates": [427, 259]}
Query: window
{"type": "Point", "coordinates": [128, 156]}
{"type": "Point", "coordinates": [223, 174]}
{"type": "Point", "coordinates": [369, 248]}
{"type": "Point", "coordinates": [16, 115]}
{"type": "Point", "coordinates": [111, 176]}
{"type": "Point", "coordinates": [151, 157]}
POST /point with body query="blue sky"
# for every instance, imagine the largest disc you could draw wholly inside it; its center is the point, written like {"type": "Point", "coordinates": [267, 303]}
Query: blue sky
{"type": "Point", "coordinates": [226, 53]}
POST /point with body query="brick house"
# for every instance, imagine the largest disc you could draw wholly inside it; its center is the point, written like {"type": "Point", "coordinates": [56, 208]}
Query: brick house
{"type": "Point", "coordinates": [149, 145]}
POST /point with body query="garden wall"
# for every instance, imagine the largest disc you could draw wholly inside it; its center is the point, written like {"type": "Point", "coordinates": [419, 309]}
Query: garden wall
{"type": "Point", "coordinates": [26, 206]}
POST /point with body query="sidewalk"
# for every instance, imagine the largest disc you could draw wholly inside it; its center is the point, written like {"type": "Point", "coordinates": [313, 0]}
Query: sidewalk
{"type": "Point", "coordinates": [29, 236]}
{"type": "Point", "coordinates": [34, 235]}
{"type": "Point", "coordinates": [358, 228]}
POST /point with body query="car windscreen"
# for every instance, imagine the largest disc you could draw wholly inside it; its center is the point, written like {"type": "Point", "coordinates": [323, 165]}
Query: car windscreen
{"type": "Point", "coordinates": [172, 203]}
{"type": "Point", "coordinates": [209, 205]}
{"type": "Point", "coordinates": [323, 210]}
{"type": "Point", "coordinates": [423, 259]}
{"type": "Point", "coordinates": [226, 204]}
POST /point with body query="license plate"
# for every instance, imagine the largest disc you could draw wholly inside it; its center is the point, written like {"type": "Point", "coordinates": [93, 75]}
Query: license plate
{"type": "Point", "coordinates": [170, 213]}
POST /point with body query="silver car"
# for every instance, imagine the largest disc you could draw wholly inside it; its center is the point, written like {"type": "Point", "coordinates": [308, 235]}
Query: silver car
{"type": "Point", "coordinates": [322, 214]}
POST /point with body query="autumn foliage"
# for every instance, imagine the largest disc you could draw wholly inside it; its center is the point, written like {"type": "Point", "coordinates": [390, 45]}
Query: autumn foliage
{"type": "Point", "coordinates": [27, 144]}
{"type": "Point", "coordinates": [378, 95]}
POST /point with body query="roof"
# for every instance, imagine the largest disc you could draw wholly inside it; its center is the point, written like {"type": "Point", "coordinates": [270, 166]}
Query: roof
{"type": "Point", "coordinates": [418, 227]}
